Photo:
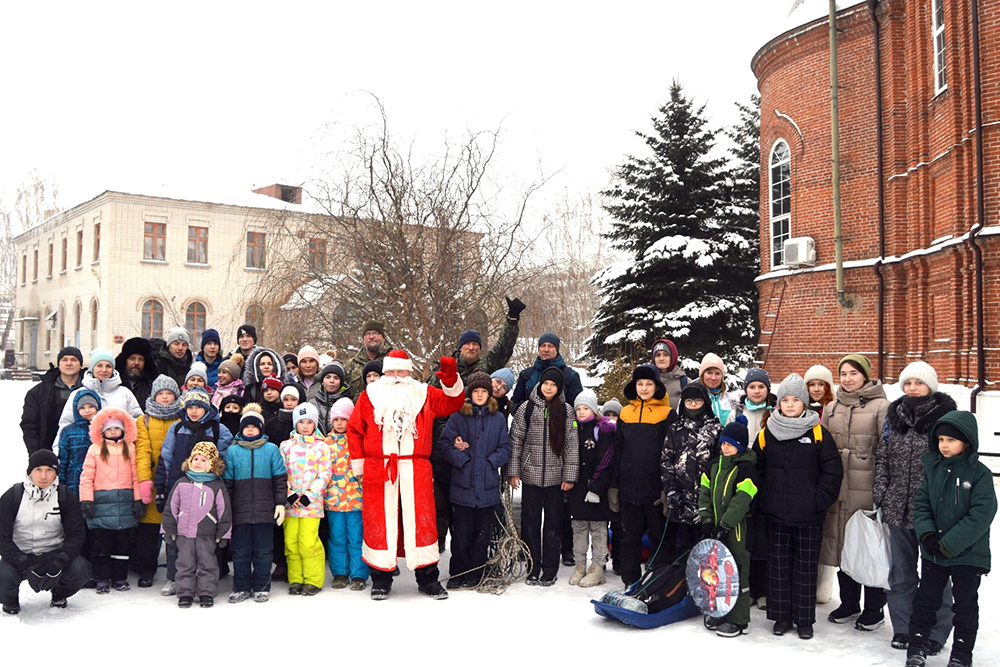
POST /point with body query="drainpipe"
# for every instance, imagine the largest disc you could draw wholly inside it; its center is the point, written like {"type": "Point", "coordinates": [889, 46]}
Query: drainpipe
{"type": "Point", "coordinates": [977, 251]}
{"type": "Point", "coordinates": [880, 188]}
{"type": "Point", "coordinates": [835, 141]}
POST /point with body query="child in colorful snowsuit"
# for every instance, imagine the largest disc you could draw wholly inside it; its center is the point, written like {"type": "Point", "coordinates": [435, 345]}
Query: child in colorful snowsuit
{"type": "Point", "coordinates": [475, 445]}
{"type": "Point", "coordinates": [688, 450]}
{"type": "Point", "coordinates": [229, 382]}
{"type": "Point", "coordinates": [74, 440]}
{"type": "Point", "coordinates": [163, 409]}
{"type": "Point", "coordinates": [952, 514]}
{"type": "Point", "coordinates": [307, 460]}
{"type": "Point", "coordinates": [109, 496]}
{"type": "Point", "coordinates": [257, 482]}
{"type": "Point", "coordinates": [343, 506]}
{"type": "Point", "coordinates": [724, 506]}
{"type": "Point", "coordinates": [199, 518]}
{"type": "Point", "coordinates": [588, 500]}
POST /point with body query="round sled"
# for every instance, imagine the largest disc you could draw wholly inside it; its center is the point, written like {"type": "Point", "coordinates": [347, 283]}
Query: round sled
{"type": "Point", "coordinates": [713, 578]}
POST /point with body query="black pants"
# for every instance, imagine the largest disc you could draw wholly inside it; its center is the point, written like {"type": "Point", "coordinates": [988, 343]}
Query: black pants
{"type": "Point", "coordinates": [616, 543]}
{"type": "Point", "coordinates": [442, 500]}
{"type": "Point", "coordinates": [566, 531]}
{"type": "Point", "coordinates": [147, 549]}
{"type": "Point", "coordinates": [636, 520]}
{"type": "Point", "coordinates": [111, 549]}
{"type": "Point", "coordinates": [543, 542]}
{"type": "Point", "coordinates": [470, 539]}
{"type": "Point", "coordinates": [793, 566]}
{"type": "Point", "coordinates": [73, 578]}
{"type": "Point", "coordinates": [252, 545]}
{"type": "Point", "coordinates": [850, 594]}
{"type": "Point", "coordinates": [424, 575]}
{"type": "Point", "coordinates": [964, 590]}
{"type": "Point", "coordinates": [678, 540]}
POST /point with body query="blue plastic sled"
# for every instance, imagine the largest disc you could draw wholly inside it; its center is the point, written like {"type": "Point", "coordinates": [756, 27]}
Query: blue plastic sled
{"type": "Point", "coordinates": [686, 608]}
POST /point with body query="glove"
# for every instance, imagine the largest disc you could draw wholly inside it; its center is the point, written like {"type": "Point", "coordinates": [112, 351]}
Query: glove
{"type": "Point", "coordinates": [222, 543]}
{"type": "Point", "coordinates": [514, 308]}
{"type": "Point", "coordinates": [932, 543]}
{"type": "Point", "coordinates": [663, 503]}
{"type": "Point", "coordinates": [718, 533]}
{"type": "Point", "coordinates": [34, 580]}
{"type": "Point", "coordinates": [613, 500]}
{"type": "Point", "coordinates": [591, 497]}
{"type": "Point", "coordinates": [88, 509]}
{"type": "Point", "coordinates": [161, 502]}
{"type": "Point", "coordinates": [169, 538]}
{"type": "Point", "coordinates": [279, 514]}
{"type": "Point", "coordinates": [449, 372]}
{"type": "Point", "coordinates": [139, 509]}
{"type": "Point", "coordinates": [147, 491]}
{"type": "Point", "coordinates": [304, 500]}
{"type": "Point", "coordinates": [292, 499]}
{"type": "Point", "coordinates": [706, 530]}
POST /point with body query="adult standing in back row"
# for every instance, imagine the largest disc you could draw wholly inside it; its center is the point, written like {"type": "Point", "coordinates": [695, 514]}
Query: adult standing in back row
{"type": "Point", "coordinates": [856, 419]}
{"type": "Point", "coordinates": [548, 357]}
{"type": "Point", "coordinates": [374, 347]}
{"type": "Point", "coordinates": [44, 402]}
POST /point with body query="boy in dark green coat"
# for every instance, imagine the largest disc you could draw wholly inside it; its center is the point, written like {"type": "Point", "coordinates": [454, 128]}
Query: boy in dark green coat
{"type": "Point", "coordinates": [952, 514]}
{"type": "Point", "coordinates": [724, 507]}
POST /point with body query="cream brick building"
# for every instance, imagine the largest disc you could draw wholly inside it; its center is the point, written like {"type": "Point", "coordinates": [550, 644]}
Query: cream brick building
{"type": "Point", "coordinates": [124, 265]}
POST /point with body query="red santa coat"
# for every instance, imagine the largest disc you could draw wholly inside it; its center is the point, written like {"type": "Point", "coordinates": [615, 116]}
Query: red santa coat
{"type": "Point", "coordinates": [397, 476]}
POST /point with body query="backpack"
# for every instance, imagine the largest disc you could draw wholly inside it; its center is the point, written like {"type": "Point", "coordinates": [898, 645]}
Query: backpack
{"type": "Point", "coordinates": [661, 587]}
{"type": "Point", "coordinates": [817, 432]}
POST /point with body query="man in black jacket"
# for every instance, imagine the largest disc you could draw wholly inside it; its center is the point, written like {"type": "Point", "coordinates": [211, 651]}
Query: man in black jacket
{"type": "Point", "coordinates": [44, 402]}
{"type": "Point", "coordinates": [137, 368]}
{"type": "Point", "coordinates": [41, 534]}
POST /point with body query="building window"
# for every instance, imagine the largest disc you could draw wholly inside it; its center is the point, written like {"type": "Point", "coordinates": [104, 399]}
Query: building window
{"type": "Point", "coordinates": [24, 268]}
{"type": "Point", "coordinates": [194, 319]}
{"type": "Point", "coordinates": [51, 254]}
{"type": "Point", "coordinates": [97, 241]}
{"type": "Point", "coordinates": [255, 250]}
{"type": "Point", "coordinates": [940, 80]}
{"type": "Point", "coordinates": [152, 319]}
{"type": "Point", "coordinates": [65, 248]}
{"type": "Point", "coordinates": [317, 255]}
{"type": "Point", "coordinates": [34, 270]}
{"type": "Point", "coordinates": [93, 323]}
{"type": "Point", "coordinates": [76, 324]}
{"type": "Point", "coordinates": [198, 245]}
{"type": "Point", "coordinates": [155, 241]}
{"type": "Point", "coordinates": [79, 248]}
{"type": "Point", "coordinates": [781, 200]}
{"type": "Point", "coordinates": [62, 326]}
{"type": "Point", "coordinates": [254, 316]}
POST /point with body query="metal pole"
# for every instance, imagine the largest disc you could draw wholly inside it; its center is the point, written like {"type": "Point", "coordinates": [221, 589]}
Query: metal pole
{"type": "Point", "coordinates": [835, 140]}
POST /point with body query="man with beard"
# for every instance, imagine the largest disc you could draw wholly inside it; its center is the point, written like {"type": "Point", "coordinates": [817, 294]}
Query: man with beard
{"type": "Point", "coordinates": [373, 347]}
{"type": "Point", "coordinates": [136, 367]}
{"type": "Point", "coordinates": [390, 437]}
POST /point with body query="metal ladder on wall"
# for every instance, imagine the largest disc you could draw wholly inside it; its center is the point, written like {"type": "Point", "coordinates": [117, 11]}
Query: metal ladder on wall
{"type": "Point", "coordinates": [769, 325]}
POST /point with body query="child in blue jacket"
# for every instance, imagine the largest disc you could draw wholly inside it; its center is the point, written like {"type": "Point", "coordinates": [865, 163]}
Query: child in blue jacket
{"type": "Point", "coordinates": [475, 444]}
{"type": "Point", "coordinates": [74, 440]}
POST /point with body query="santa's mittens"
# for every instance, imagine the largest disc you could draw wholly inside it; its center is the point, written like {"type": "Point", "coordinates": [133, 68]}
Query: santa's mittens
{"type": "Point", "coordinates": [449, 372]}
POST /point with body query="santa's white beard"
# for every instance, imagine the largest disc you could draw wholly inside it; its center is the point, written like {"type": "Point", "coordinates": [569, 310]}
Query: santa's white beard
{"type": "Point", "coordinates": [396, 402]}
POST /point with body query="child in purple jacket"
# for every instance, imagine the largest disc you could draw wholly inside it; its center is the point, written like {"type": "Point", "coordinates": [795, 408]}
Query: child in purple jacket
{"type": "Point", "coordinates": [199, 517]}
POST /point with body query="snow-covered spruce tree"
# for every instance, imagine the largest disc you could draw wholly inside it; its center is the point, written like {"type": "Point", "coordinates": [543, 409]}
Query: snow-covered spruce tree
{"type": "Point", "coordinates": [679, 277]}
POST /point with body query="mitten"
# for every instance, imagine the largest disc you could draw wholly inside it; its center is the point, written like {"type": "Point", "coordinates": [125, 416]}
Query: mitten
{"type": "Point", "coordinates": [449, 372]}
{"type": "Point", "coordinates": [161, 502]}
{"type": "Point", "coordinates": [222, 543]}
{"type": "Point", "coordinates": [88, 509]}
{"type": "Point", "coordinates": [613, 500]}
{"type": "Point", "coordinates": [147, 491]}
{"type": "Point", "coordinates": [292, 499]}
{"type": "Point", "coordinates": [591, 497]}
{"type": "Point", "coordinates": [138, 509]}
{"type": "Point", "coordinates": [514, 308]}
{"type": "Point", "coordinates": [279, 514]}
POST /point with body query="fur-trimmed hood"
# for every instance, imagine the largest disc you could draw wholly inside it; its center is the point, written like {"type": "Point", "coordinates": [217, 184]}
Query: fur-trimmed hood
{"type": "Point", "coordinates": [97, 425]}
{"type": "Point", "coordinates": [467, 407]}
{"type": "Point", "coordinates": [251, 374]}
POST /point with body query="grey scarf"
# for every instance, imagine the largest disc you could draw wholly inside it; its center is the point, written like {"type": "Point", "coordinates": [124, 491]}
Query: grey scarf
{"type": "Point", "coordinates": [788, 428]}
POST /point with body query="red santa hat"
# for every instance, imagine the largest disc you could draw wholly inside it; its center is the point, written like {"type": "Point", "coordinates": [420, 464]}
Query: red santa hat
{"type": "Point", "coordinates": [397, 360]}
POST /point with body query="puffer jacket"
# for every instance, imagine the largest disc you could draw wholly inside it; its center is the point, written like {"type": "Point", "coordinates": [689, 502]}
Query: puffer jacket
{"type": "Point", "coordinates": [74, 441]}
{"type": "Point", "coordinates": [112, 393]}
{"type": "Point", "coordinates": [43, 405]}
{"type": "Point", "coordinates": [343, 493]}
{"type": "Point", "coordinates": [198, 509]}
{"type": "Point", "coordinates": [252, 376]}
{"type": "Point", "coordinates": [256, 479]}
{"type": "Point", "coordinates": [597, 464]}
{"type": "Point", "coordinates": [532, 458]}
{"type": "Point", "coordinates": [898, 468]}
{"type": "Point", "coordinates": [307, 461]}
{"type": "Point", "coordinates": [211, 369]}
{"type": "Point", "coordinates": [475, 480]}
{"type": "Point", "coordinates": [324, 400]}
{"type": "Point", "coordinates": [688, 450]}
{"type": "Point", "coordinates": [957, 500]}
{"type": "Point", "coordinates": [38, 524]}
{"type": "Point", "coordinates": [168, 364]}
{"type": "Point", "coordinates": [112, 485]}
{"type": "Point", "coordinates": [177, 444]}
{"type": "Point", "coordinates": [639, 433]}
{"type": "Point", "coordinates": [149, 442]}
{"type": "Point", "coordinates": [727, 492]}
{"type": "Point", "coordinates": [856, 420]}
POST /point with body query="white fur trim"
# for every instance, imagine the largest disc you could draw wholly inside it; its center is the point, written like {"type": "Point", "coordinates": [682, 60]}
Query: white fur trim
{"type": "Point", "coordinates": [396, 364]}
{"type": "Point", "coordinates": [456, 389]}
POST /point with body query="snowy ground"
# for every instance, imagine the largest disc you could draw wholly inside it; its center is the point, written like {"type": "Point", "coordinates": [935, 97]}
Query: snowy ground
{"type": "Point", "coordinates": [524, 624]}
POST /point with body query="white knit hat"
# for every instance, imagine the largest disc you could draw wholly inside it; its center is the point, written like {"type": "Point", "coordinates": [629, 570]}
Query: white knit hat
{"type": "Point", "coordinates": [819, 372]}
{"type": "Point", "coordinates": [920, 370]}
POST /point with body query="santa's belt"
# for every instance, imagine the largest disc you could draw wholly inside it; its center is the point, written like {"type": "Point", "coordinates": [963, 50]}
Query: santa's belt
{"type": "Point", "coordinates": [392, 463]}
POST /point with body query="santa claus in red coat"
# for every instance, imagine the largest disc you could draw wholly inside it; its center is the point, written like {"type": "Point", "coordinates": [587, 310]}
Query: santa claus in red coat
{"type": "Point", "coordinates": [390, 437]}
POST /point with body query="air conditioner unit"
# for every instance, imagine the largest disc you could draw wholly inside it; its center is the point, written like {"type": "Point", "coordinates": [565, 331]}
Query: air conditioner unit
{"type": "Point", "coordinates": [799, 252]}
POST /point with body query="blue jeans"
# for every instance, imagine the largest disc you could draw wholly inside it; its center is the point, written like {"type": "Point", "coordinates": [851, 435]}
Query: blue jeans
{"type": "Point", "coordinates": [252, 546]}
{"type": "Point", "coordinates": [903, 579]}
{"type": "Point", "coordinates": [344, 547]}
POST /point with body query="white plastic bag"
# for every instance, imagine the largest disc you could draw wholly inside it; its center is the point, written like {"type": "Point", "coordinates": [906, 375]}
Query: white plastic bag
{"type": "Point", "coordinates": [866, 557]}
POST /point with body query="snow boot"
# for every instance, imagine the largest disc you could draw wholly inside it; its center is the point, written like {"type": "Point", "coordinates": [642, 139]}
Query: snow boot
{"type": "Point", "coordinates": [843, 614]}
{"type": "Point", "coordinates": [358, 584]}
{"type": "Point", "coordinates": [782, 627]}
{"type": "Point", "coordinates": [238, 596]}
{"type": "Point", "coordinates": [805, 632]}
{"type": "Point", "coordinates": [206, 601]}
{"type": "Point", "coordinates": [339, 581]}
{"type": "Point", "coordinates": [578, 574]}
{"type": "Point", "coordinates": [900, 641]}
{"type": "Point", "coordinates": [595, 577]}
{"type": "Point", "coordinates": [712, 623]}
{"type": "Point", "coordinates": [185, 601]}
{"type": "Point", "coordinates": [729, 629]}
{"type": "Point", "coordinates": [58, 602]}
{"type": "Point", "coordinates": [260, 596]}
{"type": "Point", "coordinates": [870, 620]}
{"type": "Point", "coordinates": [433, 590]}
{"type": "Point", "coordinates": [169, 588]}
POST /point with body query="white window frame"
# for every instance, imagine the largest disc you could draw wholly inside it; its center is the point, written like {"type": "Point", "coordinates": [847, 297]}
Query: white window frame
{"type": "Point", "coordinates": [777, 254]}
{"type": "Point", "coordinates": [938, 47]}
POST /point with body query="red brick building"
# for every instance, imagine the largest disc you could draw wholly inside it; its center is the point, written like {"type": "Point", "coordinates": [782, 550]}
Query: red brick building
{"type": "Point", "coordinates": [910, 272]}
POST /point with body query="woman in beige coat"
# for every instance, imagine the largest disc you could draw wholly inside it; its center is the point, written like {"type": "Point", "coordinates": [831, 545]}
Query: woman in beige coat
{"type": "Point", "coordinates": [856, 418]}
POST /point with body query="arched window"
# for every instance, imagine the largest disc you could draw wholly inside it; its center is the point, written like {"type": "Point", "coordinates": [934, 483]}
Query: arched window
{"type": "Point", "coordinates": [76, 324]}
{"type": "Point", "coordinates": [152, 319]}
{"type": "Point", "coordinates": [254, 316]}
{"type": "Point", "coordinates": [62, 326]}
{"type": "Point", "coordinates": [194, 321]}
{"type": "Point", "coordinates": [781, 200]}
{"type": "Point", "coordinates": [93, 323]}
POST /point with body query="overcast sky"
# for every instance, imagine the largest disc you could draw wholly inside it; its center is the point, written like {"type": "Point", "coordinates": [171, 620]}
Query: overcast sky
{"type": "Point", "coordinates": [219, 97]}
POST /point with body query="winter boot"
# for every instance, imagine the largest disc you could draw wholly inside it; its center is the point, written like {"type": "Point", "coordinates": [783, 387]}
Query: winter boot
{"type": "Point", "coordinates": [432, 589]}
{"type": "Point", "coordinates": [185, 601]}
{"type": "Point", "coordinates": [169, 588]}
{"type": "Point", "coordinates": [58, 602]}
{"type": "Point", "coordinates": [380, 590]}
{"type": "Point", "coordinates": [805, 631]}
{"type": "Point", "coordinates": [595, 576]}
{"type": "Point", "coordinates": [239, 596]}
{"type": "Point", "coordinates": [339, 581]}
{"type": "Point", "coordinates": [713, 623]}
{"type": "Point", "coordinates": [843, 614]}
{"type": "Point", "coordinates": [206, 601]}
{"type": "Point", "coordinates": [358, 584]}
{"type": "Point", "coordinates": [103, 586]}
{"type": "Point", "coordinates": [729, 629]}
{"type": "Point", "coordinates": [13, 608]}
{"type": "Point", "coordinates": [578, 574]}
{"type": "Point", "coordinates": [260, 596]}
{"type": "Point", "coordinates": [870, 620]}
{"type": "Point", "coordinates": [310, 590]}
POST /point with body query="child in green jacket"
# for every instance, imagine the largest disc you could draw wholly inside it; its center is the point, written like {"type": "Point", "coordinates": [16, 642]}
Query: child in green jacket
{"type": "Point", "coordinates": [724, 507]}
{"type": "Point", "coordinates": [952, 514]}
